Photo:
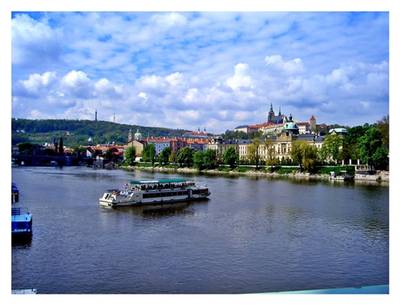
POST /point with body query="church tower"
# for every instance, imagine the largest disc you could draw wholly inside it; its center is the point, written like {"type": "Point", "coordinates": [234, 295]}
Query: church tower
{"type": "Point", "coordinates": [271, 115]}
{"type": "Point", "coordinates": [130, 136]}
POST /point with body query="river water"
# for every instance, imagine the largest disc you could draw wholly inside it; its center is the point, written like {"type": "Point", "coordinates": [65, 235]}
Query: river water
{"type": "Point", "coordinates": [253, 235]}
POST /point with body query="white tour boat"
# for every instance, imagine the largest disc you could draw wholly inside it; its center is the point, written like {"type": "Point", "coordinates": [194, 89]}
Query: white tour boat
{"type": "Point", "coordinates": [149, 192]}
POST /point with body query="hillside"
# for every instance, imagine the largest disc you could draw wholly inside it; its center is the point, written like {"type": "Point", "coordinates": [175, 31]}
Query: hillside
{"type": "Point", "coordinates": [77, 132]}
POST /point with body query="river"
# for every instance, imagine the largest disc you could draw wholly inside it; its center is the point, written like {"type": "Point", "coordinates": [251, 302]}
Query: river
{"type": "Point", "coordinates": [252, 235]}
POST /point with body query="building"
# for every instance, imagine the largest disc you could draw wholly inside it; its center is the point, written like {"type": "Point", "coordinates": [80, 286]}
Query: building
{"type": "Point", "coordinates": [160, 143]}
{"type": "Point", "coordinates": [177, 144]}
{"type": "Point", "coordinates": [275, 119]}
{"type": "Point", "coordinates": [196, 134]}
{"type": "Point", "coordinates": [279, 146]}
{"type": "Point", "coordinates": [270, 128]}
{"type": "Point", "coordinates": [338, 131]}
{"type": "Point", "coordinates": [138, 145]}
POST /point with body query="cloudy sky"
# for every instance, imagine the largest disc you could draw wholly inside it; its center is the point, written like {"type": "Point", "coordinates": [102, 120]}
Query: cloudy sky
{"type": "Point", "coordinates": [207, 70]}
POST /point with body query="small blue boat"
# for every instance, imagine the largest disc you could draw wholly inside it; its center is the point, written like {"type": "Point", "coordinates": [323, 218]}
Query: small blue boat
{"type": "Point", "coordinates": [21, 223]}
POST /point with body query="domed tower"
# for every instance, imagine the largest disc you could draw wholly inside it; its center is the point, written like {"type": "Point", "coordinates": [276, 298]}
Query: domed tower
{"type": "Point", "coordinates": [138, 135]}
{"type": "Point", "coordinates": [290, 127]}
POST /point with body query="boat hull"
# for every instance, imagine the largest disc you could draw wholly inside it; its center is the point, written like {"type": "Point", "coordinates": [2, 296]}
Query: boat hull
{"type": "Point", "coordinates": [162, 202]}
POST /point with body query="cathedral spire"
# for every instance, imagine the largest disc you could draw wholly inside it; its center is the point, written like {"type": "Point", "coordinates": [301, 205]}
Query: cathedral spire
{"type": "Point", "coordinates": [279, 111]}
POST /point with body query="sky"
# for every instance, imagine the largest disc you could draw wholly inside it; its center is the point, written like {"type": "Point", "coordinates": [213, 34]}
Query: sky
{"type": "Point", "coordinates": [200, 70]}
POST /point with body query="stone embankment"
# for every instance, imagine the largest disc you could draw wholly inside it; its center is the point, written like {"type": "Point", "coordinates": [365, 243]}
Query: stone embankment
{"type": "Point", "coordinates": [380, 176]}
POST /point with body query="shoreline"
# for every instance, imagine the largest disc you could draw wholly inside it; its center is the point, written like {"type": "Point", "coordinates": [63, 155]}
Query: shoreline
{"type": "Point", "coordinates": [382, 178]}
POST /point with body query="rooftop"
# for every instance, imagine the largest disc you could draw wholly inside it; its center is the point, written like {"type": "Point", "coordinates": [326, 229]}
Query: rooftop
{"type": "Point", "coordinates": [172, 180]}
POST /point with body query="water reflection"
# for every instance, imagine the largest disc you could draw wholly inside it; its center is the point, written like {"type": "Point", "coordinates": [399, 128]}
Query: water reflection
{"type": "Point", "coordinates": [179, 208]}
{"type": "Point", "coordinates": [254, 234]}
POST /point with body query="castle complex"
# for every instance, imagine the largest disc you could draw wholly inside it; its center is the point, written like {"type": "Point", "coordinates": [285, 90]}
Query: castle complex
{"type": "Point", "coordinates": [278, 134]}
{"type": "Point", "coordinates": [275, 123]}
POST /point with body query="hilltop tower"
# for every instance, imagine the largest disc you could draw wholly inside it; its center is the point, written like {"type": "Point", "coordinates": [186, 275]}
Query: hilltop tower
{"type": "Point", "coordinates": [313, 124]}
{"type": "Point", "coordinates": [95, 115]}
{"type": "Point", "coordinates": [271, 114]}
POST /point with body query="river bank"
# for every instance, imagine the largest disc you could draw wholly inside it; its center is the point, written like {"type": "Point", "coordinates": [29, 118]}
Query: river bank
{"type": "Point", "coordinates": [381, 177]}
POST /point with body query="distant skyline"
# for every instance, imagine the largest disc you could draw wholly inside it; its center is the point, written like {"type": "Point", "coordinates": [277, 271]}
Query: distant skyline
{"type": "Point", "coordinates": [207, 70]}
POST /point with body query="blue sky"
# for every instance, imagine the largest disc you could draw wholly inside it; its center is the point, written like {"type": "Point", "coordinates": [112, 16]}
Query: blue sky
{"type": "Point", "coordinates": [207, 70]}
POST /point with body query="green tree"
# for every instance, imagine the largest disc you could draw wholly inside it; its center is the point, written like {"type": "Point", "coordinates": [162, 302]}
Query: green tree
{"type": "Point", "coordinates": [254, 155]}
{"type": "Point", "coordinates": [185, 156]}
{"type": "Point", "coordinates": [372, 149]}
{"type": "Point", "coordinates": [231, 157]}
{"type": "Point", "coordinates": [163, 157]}
{"type": "Point", "coordinates": [210, 159]}
{"type": "Point", "coordinates": [304, 155]}
{"type": "Point", "coordinates": [172, 157]}
{"type": "Point", "coordinates": [149, 153]}
{"type": "Point", "coordinates": [26, 148]}
{"type": "Point", "coordinates": [310, 158]}
{"type": "Point", "coordinates": [270, 152]}
{"type": "Point", "coordinates": [332, 148]}
{"type": "Point", "coordinates": [383, 126]}
{"type": "Point", "coordinates": [130, 155]}
{"type": "Point", "coordinates": [198, 160]}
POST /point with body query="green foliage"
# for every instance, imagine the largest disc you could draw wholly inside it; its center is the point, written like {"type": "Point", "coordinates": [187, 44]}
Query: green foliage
{"type": "Point", "coordinates": [372, 149]}
{"type": "Point", "coordinates": [254, 155]}
{"type": "Point", "coordinates": [172, 157]}
{"type": "Point", "coordinates": [163, 157]}
{"type": "Point", "coordinates": [332, 148]}
{"type": "Point", "coordinates": [305, 155]}
{"type": "Point", "coordinates": [149, 153]}
{"type": "Point", "coordinates": [130, 154]}
{"type": "Point", "coordinates": [77, 132]}
{"type": "Point", "coordinates": [337, 169]}
{"type": "Point", "coordinates": [185, 156]}
{"type": "Point", "coordinates": [310, 158]}
{"type": "Point", "coordinates": [285, 170]}
{"type": "Point", "coordinates": [210, 159]}
{"type": "Point", "coordinates": [198, 160]}
{"type": "Point", "coordinates": [231, 157]}
{"type": "Point", "coordinates": [270, 153]}
{"type": "Point", "coordinates": [26, 148]}
{"type": "Point", "coordinates": [383, 126]}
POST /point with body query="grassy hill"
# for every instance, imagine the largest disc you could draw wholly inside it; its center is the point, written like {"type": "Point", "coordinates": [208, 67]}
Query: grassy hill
{"type": "Point", "coordinates": [77, 132]}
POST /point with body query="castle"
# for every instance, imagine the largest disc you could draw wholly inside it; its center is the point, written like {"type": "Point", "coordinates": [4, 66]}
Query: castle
{"type": "Point", "coordinates": [275, 124]}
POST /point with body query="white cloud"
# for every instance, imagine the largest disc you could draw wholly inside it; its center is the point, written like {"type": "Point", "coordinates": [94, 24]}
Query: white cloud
{"type": "Point", "coordinates": [174, 79]}
{"type": "Point", "coordinates": [184, 62]}
{"type": "Point", "coordinates": [33, 40]}
{"type": "Point", "coordinates": [143, 95]}
{"type": "Point", "coordinates": [151, 81]}
{"type": "Point", "coordinates": [240, 78]}
{"type": "Point", "coordinates": [191, 95]}
{"type": "Point", "coordinates": [75, 79]}
{"type": "Point", "coordinates": [169, 20]}
{"type": "Point", "coordinates": [276, 62]}
{"type": "Point", "coordinates": [36, 81]}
